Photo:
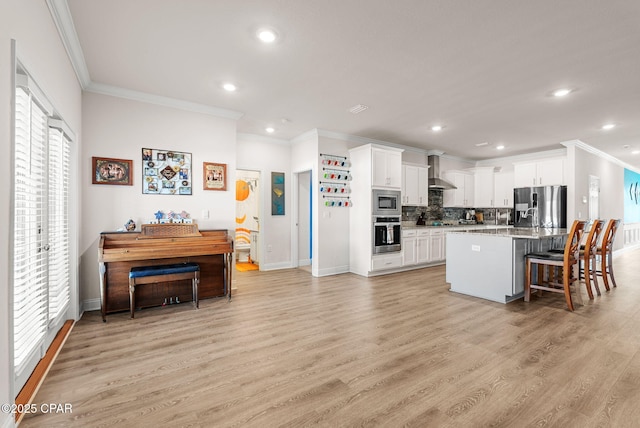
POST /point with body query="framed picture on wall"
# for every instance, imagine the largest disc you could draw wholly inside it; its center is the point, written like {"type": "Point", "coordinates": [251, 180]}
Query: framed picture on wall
{"type": "Point", "coordinates": [111, 171]}
{"type": "Point", "coordinates": [166, 172]}
{"type": "Point", "coordinates": [214, 176]}
{"type": "Point", "coordinates": [277, 193]}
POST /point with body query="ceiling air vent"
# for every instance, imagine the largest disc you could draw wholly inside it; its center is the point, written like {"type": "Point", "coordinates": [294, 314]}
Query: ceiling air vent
{"type": "Point", "coordinates": [357, 109]}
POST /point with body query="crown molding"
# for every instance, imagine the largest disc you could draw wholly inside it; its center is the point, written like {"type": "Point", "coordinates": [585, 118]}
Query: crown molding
{"type": "Point", "coordinates": [356, 139]}
{"type": "Point", "coordinates": [524, 157]}
{"type": "Point", "coordinates": [305, 136]}
{"type": "Point", "coordinates": [64, 23]}
{"type": "Point", "coordinates": [261, 138]}
{"type": "Point", "coordinates": [115, 91]}
{"type": "Point", "coordinates": [66, 29]}
{"type": "Point", "coordinates": [590, 149]}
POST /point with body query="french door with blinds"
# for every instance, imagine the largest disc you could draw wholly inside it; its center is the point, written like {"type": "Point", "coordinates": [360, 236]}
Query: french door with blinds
{"type": "Point", "coordinates": [41, 241]}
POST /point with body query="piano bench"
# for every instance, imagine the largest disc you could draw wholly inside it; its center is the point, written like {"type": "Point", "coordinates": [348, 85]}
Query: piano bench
{"type": "Point", "coordinates": [163, 273]}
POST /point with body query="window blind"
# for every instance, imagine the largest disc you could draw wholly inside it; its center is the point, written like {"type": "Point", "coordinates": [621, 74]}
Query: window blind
{"type": "Point", "coordinates": [29, 270]}
{"type": "Point", "coordinates": [58, 221]}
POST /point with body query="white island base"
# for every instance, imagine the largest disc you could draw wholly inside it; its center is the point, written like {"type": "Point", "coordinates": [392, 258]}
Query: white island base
{"type": "Point", "coordinates": [491, 264]}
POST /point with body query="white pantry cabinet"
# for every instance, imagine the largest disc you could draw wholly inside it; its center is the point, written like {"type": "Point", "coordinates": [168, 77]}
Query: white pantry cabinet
{"type": "Point", "coordinates": [372, 166]}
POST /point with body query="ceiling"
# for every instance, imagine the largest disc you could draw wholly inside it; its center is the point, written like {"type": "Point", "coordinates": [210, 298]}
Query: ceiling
{"type": "Point", "coordinates": [483, 69]}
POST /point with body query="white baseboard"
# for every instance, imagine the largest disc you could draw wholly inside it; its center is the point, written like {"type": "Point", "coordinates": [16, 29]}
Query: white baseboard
{"type": "Point", "coordinates": [626, 249]}
{"type": "Point", "coordinates": [9, 420]}
{"type": "Point", "coordinates": [306, 262]}
{"type": "Point", "coordinates": [90, 305]}
{"type": "Point", "coordinates": [276, 266]}
{"type": "Point", "coordinates": [337, 270]}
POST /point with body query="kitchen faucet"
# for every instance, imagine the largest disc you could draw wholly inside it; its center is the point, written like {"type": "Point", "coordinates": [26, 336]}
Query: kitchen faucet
{"type": "Point", "coordinates": [525, 214]}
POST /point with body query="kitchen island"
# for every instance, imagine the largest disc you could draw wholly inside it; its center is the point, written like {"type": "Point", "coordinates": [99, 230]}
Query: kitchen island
{"type": "Point", "coordinates": [490, 263]}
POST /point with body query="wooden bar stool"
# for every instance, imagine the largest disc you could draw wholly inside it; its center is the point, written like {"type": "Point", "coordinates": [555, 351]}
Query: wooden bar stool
{"type": "Point", "coordinates": [567, 260]}
{"type": "Point", "coordinates": [588, 265]}
{"type": "Point", "coordinates": [605, 252]}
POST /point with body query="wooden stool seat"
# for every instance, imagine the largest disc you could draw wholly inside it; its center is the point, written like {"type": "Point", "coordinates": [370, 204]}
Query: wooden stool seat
{"type": "Point", "coordinates": [567, 261]}
{"type": "Point", "coordinates": [163, 273]}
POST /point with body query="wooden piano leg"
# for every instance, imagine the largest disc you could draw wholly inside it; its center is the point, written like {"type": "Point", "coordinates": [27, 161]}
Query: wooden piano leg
{"type": "Point", "coordinates": [103, 290]}
{"type": "Point", "coordinates": [196, 280]}
{"type": "Point", "coordinates": [229, 272]}
{"type": "Point", "coordinates": [132, 296]}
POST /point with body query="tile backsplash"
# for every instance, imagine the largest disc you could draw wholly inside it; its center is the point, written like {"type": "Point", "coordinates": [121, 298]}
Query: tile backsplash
{"type": "Point", "coordinates": [436, 212]}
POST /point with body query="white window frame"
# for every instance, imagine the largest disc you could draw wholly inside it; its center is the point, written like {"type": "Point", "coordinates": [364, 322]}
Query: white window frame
{"type": "Point", "coordinates": [63, 276]}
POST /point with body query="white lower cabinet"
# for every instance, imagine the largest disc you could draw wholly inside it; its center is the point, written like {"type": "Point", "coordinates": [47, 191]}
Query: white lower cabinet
{"type": "Point", "coordinates": [422, 246]}
{"type": "Point", "coordinates": [436, 246]}
{"type": "Point", "coordinates": [386, 261]}
{"type": "Point", "coordinates": [409, 253]}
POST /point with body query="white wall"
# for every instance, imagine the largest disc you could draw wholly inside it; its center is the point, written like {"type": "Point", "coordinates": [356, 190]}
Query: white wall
{"type": "Point", "coordinates": [40, 50]}
{"type": "Point", "coordinates": [333, 222]}
{"type": "Point", "coordinates": [269, 155]}
{"type": "Point", "coordinates": [611, 187]}
{"type": "Point", "coordinates": [120, 128]}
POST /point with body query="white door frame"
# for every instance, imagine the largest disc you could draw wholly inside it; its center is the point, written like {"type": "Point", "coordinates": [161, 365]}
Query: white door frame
{"type": "Point", "coordinates": [295, 224]}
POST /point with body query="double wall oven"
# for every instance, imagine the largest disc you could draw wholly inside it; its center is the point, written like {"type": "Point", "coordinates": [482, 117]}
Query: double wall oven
{"type": "Point", "coordinates": [387, 211]}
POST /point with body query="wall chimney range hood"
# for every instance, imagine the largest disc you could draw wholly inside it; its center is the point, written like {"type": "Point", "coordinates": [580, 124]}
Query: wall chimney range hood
{"type": "Point", "coordinates": [435, 182]}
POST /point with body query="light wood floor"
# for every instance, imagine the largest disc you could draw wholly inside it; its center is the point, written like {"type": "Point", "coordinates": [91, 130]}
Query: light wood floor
{"type": "Point", "coordinates": [397, 350]}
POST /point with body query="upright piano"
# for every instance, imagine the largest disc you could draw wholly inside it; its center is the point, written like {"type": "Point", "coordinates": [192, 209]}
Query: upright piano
{"type": "Point", "coordinates": [159, 244]}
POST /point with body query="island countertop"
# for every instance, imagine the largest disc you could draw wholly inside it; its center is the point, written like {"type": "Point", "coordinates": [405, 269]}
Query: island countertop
{"type": "Point", "coordinates": [517, 232]}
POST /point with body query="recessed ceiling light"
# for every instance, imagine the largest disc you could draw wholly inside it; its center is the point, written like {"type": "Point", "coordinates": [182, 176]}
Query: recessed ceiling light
{"type": "Point", "coordinates": [270, 130]}
{"type": "Point", "coordinates": [230, 87]}
{"type": "Point", "coordinates": [267, 36]}
{"type": "Point", "coordinates": [437, 128]}
{"type": "Point", "coordinates": [561, 92]}
{"type": "Point", "coordinates": [635, 152]}
{"type": "Point", "coordinates": [608, 126]}
{"type": "Point", "coordinates": [499, 147]}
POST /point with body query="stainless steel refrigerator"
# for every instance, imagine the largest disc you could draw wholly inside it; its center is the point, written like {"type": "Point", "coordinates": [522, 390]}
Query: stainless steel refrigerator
{"type": "Point", "coordinates": [544, 206]}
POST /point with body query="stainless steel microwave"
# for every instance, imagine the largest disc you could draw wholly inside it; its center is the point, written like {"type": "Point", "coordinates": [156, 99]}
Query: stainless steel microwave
{"type": "Point", "coordinates": [386, 202]}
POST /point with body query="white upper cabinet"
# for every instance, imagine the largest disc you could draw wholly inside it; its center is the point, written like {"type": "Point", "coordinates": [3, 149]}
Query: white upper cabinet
{"type": "Point", "coordinates": [415, 186]}
{"type": "Point", "coordinates": [503, 195]}
{"type": "Point", "coordinates": [484, 196]}
{"type": "Point", "coordinates": [463, 195]}
{"type": "Point", "coordinates": [386, 168]}
{"type": "Point", "coordinates": [543, 172]}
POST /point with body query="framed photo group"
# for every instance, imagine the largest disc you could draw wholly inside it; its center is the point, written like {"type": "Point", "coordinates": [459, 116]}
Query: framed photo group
{"type": "Point", "coordinates": [164, 172]}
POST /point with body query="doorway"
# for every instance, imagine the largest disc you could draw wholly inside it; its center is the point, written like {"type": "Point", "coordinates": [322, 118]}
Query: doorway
{"type": "Point", "coordinates": [304, 239]}
{"type": "Point", "coordinates": [247, 238]}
